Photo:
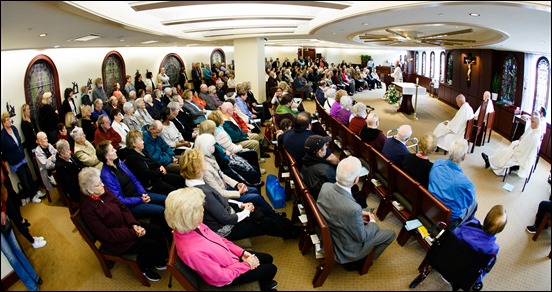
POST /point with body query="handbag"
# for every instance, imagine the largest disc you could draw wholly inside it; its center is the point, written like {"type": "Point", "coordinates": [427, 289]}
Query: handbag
{"type": "Point", "coordinates": [6, 229]}
{"type": "Point", "coordinates": [247, 173]}
{"type": "Point", "coordinates": [275, 192]}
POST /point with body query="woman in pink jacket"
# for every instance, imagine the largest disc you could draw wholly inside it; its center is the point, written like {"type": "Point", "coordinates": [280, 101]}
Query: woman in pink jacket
{"type": "Point", "coordinates": [219, 261]}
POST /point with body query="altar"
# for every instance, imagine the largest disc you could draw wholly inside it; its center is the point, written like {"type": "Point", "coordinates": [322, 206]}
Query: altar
{"type": "Point", "coordinates": [407, 90]}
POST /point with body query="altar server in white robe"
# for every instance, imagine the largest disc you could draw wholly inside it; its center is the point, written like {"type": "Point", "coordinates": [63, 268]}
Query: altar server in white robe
{"type": "Point", "coordinates": [448, 131]}
{"type": "Point", "coordinates": [522, 152]}
{"type": "Point", "coordinates": [490, 107]}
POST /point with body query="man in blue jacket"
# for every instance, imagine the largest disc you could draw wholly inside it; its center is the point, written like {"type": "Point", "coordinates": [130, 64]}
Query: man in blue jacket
{"type": "Point", "coordinates": [158, 148]}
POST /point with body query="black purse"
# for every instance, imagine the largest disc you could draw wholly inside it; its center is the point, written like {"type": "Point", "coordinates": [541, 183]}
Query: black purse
{"type": "Point", "coordinates": [7, 228]}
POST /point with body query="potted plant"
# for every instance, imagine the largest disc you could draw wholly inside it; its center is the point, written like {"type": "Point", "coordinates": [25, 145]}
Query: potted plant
{"type": "Point", "coordinates": [495, 84]}
{"type": "Point", "coordinates": [391, 96]}
{"type": "Point", "coordinates": [364, 59]}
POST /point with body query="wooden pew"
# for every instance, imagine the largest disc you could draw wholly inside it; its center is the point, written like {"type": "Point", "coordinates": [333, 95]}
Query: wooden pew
{"type": "Point", "coordinates": [380, 170]}
{"type": "Point", "coordinates": [403, 189]}
{"type": "Point", "coordinates": [430, 212]}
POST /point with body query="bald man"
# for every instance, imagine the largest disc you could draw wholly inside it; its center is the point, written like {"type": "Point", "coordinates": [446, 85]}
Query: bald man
{"type": "Point", "coordinates": [395, 148]}
{"type": "Point", "coordinates": [46, 158]}
{"type": "Point", "coordinates": [371, 134]}
{"type": "Point", "coordinates": [490, 107]}
{"type": "Point", "coordinates": [448, 131]}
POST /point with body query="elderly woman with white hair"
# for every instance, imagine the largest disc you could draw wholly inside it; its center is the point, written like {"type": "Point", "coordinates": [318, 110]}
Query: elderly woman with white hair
{"type": "Point", "coordinates": [344, 113]}
{"type": "Point", "coordinates": [199, 247]}
{"type": "Point", "coordinates": [67, 169]}
{"type": "Point", "coordinates": [222, 183]}
{"type": "Point", "coordinates": [129, 118]}
{"type": "Point", "coordinates": [330, 98]}
{"type": "Point", "coordinates": [358, 117]}
{"type": "Point", "coordinates": [151, 107]}
{"type": "Point", "coordinates": [84, 150]}
{"type": "Point", "coordinates": [180, 120]}
{"type": "Point", "coordinates": [141, 114]}
{"type": "Point", "coordinates": [453, 188]}
{"type": "Point", "coordinates": [223, 156]}
{"type": "Point", "coordinates": [116, 228]}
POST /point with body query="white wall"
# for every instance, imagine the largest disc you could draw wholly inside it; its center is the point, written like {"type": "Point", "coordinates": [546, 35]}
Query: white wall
{"type": "Point", "coordinates": [78, 65]}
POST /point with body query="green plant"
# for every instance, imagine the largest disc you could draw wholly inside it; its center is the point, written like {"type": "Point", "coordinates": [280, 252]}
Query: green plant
{"type": "Point", "coordinates": [391, 96]}
{"type": "Point", "coordinates": [365, 58]}
{"type": "Point", "coordinates": [495, 83]}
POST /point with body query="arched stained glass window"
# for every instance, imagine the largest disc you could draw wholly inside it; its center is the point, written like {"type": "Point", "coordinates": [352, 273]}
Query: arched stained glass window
{"type": "Point", "coordinates": [450, 63]}
{"type": "Point", "coordinates": [509, 80]}
{"type": "Point", "coordinates": [172, 64]}
{"type": "Point", "coordinates": [542, 84]}
{"type": "Point", "coordinates": [41, 76]}
{"type": "Point", "coordinates": [113, 71]}
{"type": "Point", "coordinates": [442, 68]}
{"type": "Point", "coordinates": [432, 65]}
{"type": "Point", "coordinates": [417, 63]}
{"type": "Point", "coordinates": [424, 57]}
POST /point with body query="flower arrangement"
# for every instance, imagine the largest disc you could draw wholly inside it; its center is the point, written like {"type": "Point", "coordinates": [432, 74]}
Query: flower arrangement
{"type": "Point", "coordinates": [391, 96]}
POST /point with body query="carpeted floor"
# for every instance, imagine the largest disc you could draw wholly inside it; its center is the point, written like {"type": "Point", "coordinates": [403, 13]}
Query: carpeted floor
{"type": "Point", "coordinates": [67, 263]}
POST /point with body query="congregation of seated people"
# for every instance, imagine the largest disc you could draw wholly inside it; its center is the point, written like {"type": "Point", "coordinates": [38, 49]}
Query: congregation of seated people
{"type": "Point", "coordinates": [147, 145]}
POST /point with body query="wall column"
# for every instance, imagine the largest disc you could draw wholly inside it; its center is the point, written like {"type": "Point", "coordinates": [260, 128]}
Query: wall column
{"type": "Point", "coordinates": [249, 63]}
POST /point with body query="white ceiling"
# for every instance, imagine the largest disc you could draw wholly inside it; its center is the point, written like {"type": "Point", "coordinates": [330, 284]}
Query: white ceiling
{"type": "Point", "coordinates": [501, 25]}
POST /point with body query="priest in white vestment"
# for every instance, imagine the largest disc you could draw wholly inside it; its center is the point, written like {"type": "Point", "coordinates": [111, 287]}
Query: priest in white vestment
{"type": "Point", "coordinates": [490, 107]}
{"type": "Point", "coordinates": [522, 152]}
{"type": "Point", "coordinates": [448, 131]}
{"type": "Point", "coordinates": [397, 74]}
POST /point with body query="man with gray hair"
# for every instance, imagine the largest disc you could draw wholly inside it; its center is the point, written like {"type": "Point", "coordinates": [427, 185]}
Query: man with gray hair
{"type": "Point", "coordinates": [394, 148]}
{"type": "Point", "coordinates": [449, 184]}
{"type": "Point", "coordinates": [448, 131]}
{"type": "Point", "coordinates": [158, 148]}
{"type": "Point", "coordinates": [354, 231]}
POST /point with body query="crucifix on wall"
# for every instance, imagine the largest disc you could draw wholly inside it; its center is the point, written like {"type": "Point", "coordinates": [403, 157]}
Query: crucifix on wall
{"type": "Point", "coordinates": [469, 60]}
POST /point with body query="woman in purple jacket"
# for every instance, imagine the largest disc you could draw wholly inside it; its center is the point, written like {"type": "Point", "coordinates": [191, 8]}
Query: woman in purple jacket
{"type": "Point", "coordinates": [115, 227]}
{"type": "Point", "coordinates": [217, 260]}
{"type": "Point", "coordinates": [125, 186]}
{"type": "Point", "coordinates": [483, 238]}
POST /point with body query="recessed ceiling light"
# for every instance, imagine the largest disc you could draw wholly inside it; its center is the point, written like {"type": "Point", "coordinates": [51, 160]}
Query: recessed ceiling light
{"type": "Point", "coordinates": [366, 23]}
{"type": "Point", "coordinates": [334, 32]}
{"type": "Point", "coordinates": [42, 35]}
{"type": "Point", "coordinates": [474, 14]}
{"type": "Point", "coordinates": [149, 42]}
{"type": "Point", "coordinates": [57, 46]}
{"type": "Point", "coordinates": [86, 38]}
{"type": "Point", "coordinates": [121, 40]}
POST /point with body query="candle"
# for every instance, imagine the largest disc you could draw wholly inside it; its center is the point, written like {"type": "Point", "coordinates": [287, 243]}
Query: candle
{"type": "Point", "coordinates": [417, 79]}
